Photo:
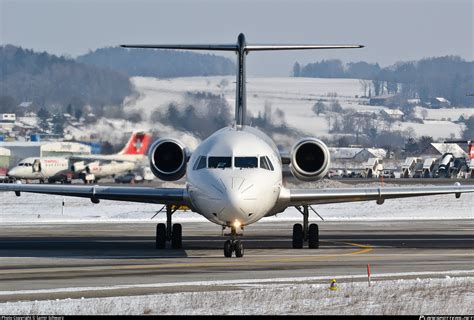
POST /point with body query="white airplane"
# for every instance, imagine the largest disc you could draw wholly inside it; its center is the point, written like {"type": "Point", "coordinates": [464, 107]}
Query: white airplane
{"type": "Point", "coordinates": [49, 169]}
{"type": "Point", "coordinates": [95, 167]}
{"type": "Point", "coordinates": [64, 169]}
{"type": "Point", "coordinates": [234, 177]}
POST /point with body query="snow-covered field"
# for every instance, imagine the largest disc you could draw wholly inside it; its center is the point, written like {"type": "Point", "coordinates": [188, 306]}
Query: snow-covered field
{"type": "Point", "coordinates": [48, 208]}
{"type": "Point", "coordinates": [448, 295]}
{"type": "Point", "coordinates": [294, 96]}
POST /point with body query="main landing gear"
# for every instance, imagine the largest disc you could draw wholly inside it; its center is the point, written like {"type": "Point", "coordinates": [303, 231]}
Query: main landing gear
{"type": "Point", "coordinates": [302, 233]}
{"type": "Point", "coordinates": [233, 245]}
{"type": "Point", "coordinates": [169, 232]}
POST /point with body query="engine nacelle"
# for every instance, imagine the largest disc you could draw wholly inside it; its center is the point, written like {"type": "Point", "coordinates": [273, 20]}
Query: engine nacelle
{"type": "Point", "coordinates": [78, 166]}
{"type": "Point", "coordinates": [93, 167]}
{"type": "Point", "coordinates": [168, 159]}
{"type": "Point", "coordinates": [309, 159]}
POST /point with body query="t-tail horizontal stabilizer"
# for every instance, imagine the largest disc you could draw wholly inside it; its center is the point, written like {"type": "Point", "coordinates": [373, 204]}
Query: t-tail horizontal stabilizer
{"type": "Point", "coordinates": [241, 48]}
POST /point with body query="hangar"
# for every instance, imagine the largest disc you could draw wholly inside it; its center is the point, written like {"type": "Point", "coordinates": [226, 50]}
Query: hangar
{"type": "Point", "coordinates": [21, 150]}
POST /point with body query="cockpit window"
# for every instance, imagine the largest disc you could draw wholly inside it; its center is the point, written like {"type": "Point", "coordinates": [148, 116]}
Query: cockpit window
{"type": "Point", "coordinates": [246, 162]}
{"type": "Point", "coordinates": [220, 162]}
{"type": "Point", "coordinates": [200, 163]}
{"type": "Point", "coordinates": [270, 163]}
{"type": "Point", "coordinates": [266, 164]}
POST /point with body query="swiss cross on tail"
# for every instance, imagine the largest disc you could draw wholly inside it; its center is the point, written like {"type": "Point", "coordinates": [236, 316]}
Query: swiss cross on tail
{"type": "Point", "coordinates": [471, 150]}
{"type": "Point", "coordinates": [138, 144]}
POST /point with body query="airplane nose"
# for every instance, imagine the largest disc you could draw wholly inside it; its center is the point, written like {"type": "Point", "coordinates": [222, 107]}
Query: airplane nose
{"type": "Point", "coordinates": [239, 199]}
{"type": "Point", "coordinates": [13, 172]}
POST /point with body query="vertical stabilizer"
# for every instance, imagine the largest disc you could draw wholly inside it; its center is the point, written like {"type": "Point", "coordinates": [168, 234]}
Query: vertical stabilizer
{"type": "Point", "coordinates": [137, 144]}
{"type": "Point", "coordinates": [241, 48]}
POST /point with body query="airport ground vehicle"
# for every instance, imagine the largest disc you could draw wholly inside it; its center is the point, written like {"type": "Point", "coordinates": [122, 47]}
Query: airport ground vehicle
{"type": "Point", "coordinates": [129, 177]}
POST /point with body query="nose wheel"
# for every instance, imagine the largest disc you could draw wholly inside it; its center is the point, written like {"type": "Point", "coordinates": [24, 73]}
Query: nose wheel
{"type": "Point", "coordinates": [233, 246]}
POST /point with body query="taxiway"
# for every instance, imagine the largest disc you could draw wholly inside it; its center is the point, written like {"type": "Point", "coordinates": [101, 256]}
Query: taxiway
{"type": "Point", "coordinates": [41, 261]}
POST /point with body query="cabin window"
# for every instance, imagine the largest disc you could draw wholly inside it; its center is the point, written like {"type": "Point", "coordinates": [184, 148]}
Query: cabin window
{"type": "Point", "coordinates": [220, 162]}
{"type": "Point", "coordinates": [246, 162]}
{"type": "Point", "coordinates": [266, 164]}
{"type": "Point", "coordinates": [200, 163]}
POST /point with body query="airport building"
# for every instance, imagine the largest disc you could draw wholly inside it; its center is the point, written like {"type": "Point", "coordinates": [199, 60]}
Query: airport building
{"type": "Point", "coordinates": [5, 156]}
{"type": "Point", "coordinates": [22, 150]}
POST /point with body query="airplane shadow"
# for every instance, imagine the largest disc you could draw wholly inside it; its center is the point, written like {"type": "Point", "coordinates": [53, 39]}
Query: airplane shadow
{"type": "Point", "coordinates": [144, 247]}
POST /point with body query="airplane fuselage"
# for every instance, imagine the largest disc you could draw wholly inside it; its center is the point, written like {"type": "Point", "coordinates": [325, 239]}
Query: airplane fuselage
{"type": "Point", "coordinates": [40, 168]}
{"type": "Point", "coordinates": [235, 176]}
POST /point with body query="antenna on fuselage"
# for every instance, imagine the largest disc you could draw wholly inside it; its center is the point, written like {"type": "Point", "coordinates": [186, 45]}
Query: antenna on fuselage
{"type": "Point", "coordinates": [241, 48]}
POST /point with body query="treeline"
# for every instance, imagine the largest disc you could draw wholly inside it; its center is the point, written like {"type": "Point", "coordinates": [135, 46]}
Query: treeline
{"type": "Point", "coordinates": [201, 114]}
{"type": "Point", "coordinates": [450, 77]}
{"type": "Point", "coordinates": [159, 63]}
{"type": "Point", "coordinates": [56, 82]}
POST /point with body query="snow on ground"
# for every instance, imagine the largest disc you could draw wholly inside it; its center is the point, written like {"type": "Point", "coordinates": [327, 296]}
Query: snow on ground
{"type": "Point", "coordinates": [452, 114]}
{"type": "Point", "coordinates": [48, 208]}
{"type": "Point", "coordinates": [294, 96]}
{"type": "Point", "coordinates": [435, 128]}
{"type": "Point", "coordinates": [451, 295]}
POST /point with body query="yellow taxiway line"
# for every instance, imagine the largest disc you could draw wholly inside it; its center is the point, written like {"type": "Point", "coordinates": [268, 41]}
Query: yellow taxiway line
{"type": "Point", "coordinates": [227, 263]}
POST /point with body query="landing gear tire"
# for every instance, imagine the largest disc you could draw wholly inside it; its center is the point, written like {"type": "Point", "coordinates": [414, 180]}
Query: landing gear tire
{"type": "Point", "coordinates": [239, 249]}
{"type": "Point", "coordinates": [176, 236]}
{"type": "Point", "coordinates": [313, 236]}
{"type": "Point", "coordinates": [298, 236]}
{"type": "Point", "coordinates": [160, 236]}
{"type": "Point", "coordinates": [228, 248]}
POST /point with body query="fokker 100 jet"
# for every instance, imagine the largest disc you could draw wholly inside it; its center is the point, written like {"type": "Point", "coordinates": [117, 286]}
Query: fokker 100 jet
{"type": "Point", "coordinates": [234, 177]}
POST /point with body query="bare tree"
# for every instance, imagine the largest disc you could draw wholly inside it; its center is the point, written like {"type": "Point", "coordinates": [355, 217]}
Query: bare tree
{"type": "Point", "coordinates": [424, 114]}
{"type": "Point", "coordinates": [364, 84]}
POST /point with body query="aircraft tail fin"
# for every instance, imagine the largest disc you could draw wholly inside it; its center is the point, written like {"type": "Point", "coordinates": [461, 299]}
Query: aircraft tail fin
{"type": "Point", "coordinates": [471, 150]}
{"type": "Point", "coordinates": [137, 144]}
{"type": "Point", "coordinates": [241, 48]}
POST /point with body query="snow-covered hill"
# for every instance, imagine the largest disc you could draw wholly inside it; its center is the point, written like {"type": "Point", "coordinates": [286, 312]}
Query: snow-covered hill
{"type": "Point", "coordinates": [294, 96]}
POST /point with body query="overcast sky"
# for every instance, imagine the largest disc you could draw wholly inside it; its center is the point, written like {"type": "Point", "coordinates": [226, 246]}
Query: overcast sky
{"type": "Point", "coordinates": [391, 30]}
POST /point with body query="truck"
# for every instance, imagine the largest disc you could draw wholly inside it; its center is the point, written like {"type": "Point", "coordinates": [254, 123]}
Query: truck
{"type": "Point", "coordinates": [427, 169]}
{"type": "Point", "coordinates": [410, 165]}
{"type": "Point", "coordinates": [373, 168]}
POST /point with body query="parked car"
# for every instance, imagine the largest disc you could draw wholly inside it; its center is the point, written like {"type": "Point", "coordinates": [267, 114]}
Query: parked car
{"type": "Point", "coordinates": [388, 174]}
{"type": "Point", "coordinates": [129, 177]}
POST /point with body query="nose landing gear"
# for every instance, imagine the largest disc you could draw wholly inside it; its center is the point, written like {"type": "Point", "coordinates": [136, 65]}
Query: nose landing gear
{"type": "Point", "coordinates": [169, 232]}
{"type": "Point", "coordinates": [233, 245]}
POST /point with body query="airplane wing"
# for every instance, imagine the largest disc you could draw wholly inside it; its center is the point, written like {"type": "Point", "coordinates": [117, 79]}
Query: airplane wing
{"type": "Point", "coordinates": [322, 196]}
{"type": "Point", "coordinates": [176, 196]}
{"type": "Point", "coordinates": [104, 158]}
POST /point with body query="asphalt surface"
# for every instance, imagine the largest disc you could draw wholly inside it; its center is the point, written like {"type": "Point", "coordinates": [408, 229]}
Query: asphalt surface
{"type": "Point", "coordinates": [72, 255]}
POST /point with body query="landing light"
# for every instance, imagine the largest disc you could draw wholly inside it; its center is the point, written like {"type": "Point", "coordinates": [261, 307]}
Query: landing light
{"type": "Point", "coordinates": [237, 224]}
